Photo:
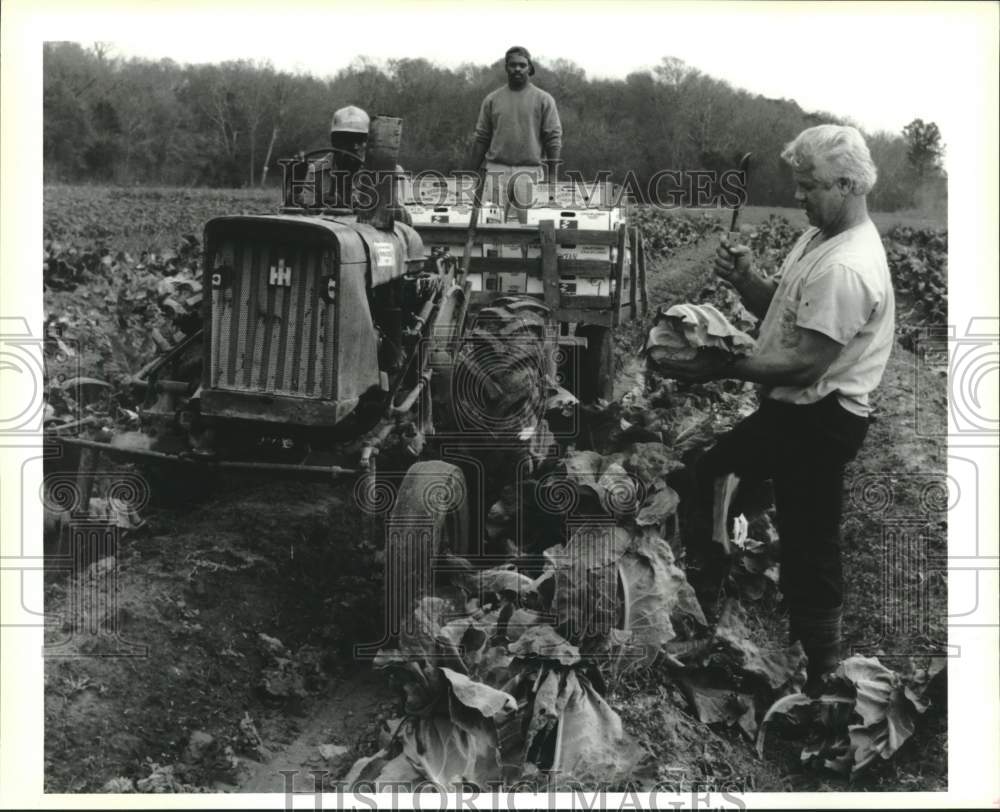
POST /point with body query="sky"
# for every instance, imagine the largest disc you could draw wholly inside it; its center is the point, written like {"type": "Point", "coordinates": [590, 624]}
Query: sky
{"type": "Point", "coordinates": [880, 65]}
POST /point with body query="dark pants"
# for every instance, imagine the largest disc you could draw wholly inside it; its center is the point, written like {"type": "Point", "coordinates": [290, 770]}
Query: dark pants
{"type": "Point", "coordinates": [803, 451]}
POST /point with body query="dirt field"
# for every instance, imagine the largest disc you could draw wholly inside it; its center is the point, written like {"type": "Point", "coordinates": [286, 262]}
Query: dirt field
{"type": "Point", "coordinates": [240, 613]}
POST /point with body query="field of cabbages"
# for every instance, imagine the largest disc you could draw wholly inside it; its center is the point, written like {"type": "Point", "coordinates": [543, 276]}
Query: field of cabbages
{"type": "Point", "coordinates": [242, 606]}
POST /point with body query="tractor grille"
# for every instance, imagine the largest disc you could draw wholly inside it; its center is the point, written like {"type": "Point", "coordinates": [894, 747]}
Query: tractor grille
{"type": "Point", "coordinates": [272, 331]}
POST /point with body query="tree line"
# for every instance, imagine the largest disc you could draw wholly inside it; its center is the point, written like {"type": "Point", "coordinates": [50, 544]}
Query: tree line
{"type": "Point", "coordinates": [138, 121]}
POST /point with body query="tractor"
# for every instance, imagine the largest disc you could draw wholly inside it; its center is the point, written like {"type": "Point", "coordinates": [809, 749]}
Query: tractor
{"type": "Point", "coordinates": [422, 360]}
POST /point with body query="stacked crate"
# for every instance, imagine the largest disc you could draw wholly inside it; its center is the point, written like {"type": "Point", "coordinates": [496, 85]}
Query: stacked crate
{"type": "Point", "coordinates": [570, 205]}
{"type": "Point", "coordinates": [583, 206]}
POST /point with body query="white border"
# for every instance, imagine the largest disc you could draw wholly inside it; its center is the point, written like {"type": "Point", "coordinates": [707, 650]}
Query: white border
{"type": "Point", "coordinates": [968, 60]}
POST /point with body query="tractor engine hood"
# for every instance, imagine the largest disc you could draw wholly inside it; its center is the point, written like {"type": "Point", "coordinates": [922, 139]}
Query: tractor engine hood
{"type": "Point", "coordinates": [289, 331]}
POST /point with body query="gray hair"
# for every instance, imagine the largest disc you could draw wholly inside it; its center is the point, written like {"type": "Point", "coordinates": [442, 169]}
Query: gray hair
{"type": "Point", "coordinates": [831, 152]}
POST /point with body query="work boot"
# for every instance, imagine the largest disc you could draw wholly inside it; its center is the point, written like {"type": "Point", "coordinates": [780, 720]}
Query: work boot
{"type": "Point", "coordinates": [820, 633]}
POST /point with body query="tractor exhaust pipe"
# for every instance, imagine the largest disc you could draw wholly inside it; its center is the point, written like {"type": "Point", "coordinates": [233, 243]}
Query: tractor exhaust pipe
{"type": "Point", "coordinates": [385, 133]}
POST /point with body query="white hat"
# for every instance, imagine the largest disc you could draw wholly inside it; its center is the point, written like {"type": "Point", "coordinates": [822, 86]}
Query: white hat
{"type": "Point", "coordinates": [349, 120]}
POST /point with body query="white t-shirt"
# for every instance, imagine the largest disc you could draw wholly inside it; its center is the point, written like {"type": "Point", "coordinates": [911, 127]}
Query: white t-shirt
{"type": "Point", "coordinates": [842, 289]}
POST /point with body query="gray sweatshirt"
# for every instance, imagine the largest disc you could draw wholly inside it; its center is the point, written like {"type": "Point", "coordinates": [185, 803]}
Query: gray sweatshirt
{"type": "Point", "coordinates": [519, 126]}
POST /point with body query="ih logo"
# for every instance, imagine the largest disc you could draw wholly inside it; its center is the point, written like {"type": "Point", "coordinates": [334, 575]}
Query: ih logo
{"type": "Point", "coordinates": [281, 274]}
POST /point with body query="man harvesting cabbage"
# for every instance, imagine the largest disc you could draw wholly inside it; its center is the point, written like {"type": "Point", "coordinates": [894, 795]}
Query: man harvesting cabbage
{"type": "Point", "coordinates": [825, 340]}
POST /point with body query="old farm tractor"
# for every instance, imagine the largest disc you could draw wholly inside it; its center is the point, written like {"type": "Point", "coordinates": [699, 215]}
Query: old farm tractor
{"type": "Point", "coordinates": [421, 360]}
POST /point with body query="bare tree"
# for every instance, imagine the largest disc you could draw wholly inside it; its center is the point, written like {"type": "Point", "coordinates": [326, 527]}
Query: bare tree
{"type": "Point", "coordinates": [281, 88]}
{"type": "Point", "coordinates": [254, 97]}
{"type": "Point", "coordinates": [672, 71]}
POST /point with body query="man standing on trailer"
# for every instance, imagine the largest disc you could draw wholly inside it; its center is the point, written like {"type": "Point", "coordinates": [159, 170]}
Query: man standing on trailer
{"type": "Point", "coordinates": [828, 330]}
{"type": "Point", "coordinates": [519, 135]}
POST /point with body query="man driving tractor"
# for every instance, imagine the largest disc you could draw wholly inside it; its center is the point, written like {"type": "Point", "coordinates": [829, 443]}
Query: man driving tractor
{"type": "Point", "coordinates": [349, 133]}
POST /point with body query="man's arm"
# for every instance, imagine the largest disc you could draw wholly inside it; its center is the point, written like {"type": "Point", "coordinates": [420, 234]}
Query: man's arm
{"type": "Point", "coordinates": [482, 137]}
{"type": "Point", "coordinates": [476, 155]}
{"type": "Point", "coordinates": [800, 365]}
{"type": "Point", "coordinates": [551, 138]}
{"type": "Point", "coordinates": [734, 265]}
{"type": "Point", "coordinates": [757, 293]}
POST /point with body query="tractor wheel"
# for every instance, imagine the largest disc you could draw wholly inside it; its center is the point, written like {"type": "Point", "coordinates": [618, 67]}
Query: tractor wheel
{"type": "Point", "coordinates": [499, 389]}
{"type": "Point", "coordinates": [501, 368]}
{"type": "Point", "coordinates": [430, 517]}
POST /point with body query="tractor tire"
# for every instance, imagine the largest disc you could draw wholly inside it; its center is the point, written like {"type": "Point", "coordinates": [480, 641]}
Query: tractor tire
{"type": "Point", "coordinates": [501, 369]}
{"type": "Point", "coordinates": [429, 518]}
{"type": "Point", "coordinates": [499, 388]}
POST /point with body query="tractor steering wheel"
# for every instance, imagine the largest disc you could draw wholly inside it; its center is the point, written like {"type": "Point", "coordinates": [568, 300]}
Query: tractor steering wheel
{"type": "Point", "coordinates": [299, 173]}
{"type": "Point", "coordinates": [314, 153]}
